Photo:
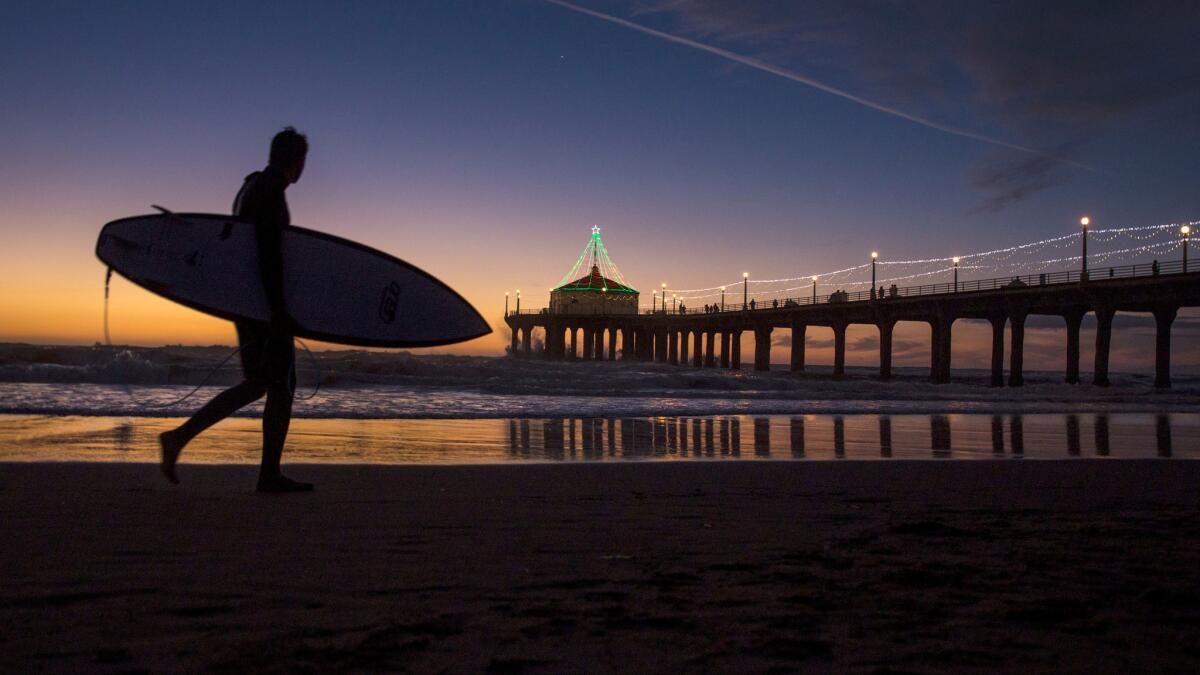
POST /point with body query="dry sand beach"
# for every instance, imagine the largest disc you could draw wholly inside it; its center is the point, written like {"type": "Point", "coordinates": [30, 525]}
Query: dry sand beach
{"type": "Point", "coordinates": [901, 566]}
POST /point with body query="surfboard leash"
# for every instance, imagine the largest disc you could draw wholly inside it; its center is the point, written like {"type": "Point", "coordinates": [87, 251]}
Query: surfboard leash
{"type": "Point", "coordinates": [125, 381]}
{"type": "Point", "coordinates": [312, 360]}
{"type": "Point", "coordinates": [146, 404]}
{"type": "Point", "coordinates": [107, 283]}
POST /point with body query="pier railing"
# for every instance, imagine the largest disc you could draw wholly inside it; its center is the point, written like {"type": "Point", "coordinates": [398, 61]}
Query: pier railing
{"type": "Point", "coordinates": [1016, 282]}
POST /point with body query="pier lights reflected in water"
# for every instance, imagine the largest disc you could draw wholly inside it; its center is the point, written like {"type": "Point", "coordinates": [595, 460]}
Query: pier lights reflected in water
{"type": "Point", "coordinates": [850, 436]}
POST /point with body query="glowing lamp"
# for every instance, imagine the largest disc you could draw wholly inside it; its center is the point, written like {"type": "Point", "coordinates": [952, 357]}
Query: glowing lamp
{"type": "Point", "coordinates": [1185, 230]}
{"type": "Point", "coordinates": [1085, 221]}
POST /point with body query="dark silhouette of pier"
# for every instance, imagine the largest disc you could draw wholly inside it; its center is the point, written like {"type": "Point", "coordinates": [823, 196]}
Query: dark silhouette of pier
{"type": "Point", "coordinates": [679, 338]}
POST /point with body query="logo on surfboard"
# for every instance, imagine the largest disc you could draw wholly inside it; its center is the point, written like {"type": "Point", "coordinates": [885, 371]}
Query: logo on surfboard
{"type": "Point", "coordinates": [389, 302]}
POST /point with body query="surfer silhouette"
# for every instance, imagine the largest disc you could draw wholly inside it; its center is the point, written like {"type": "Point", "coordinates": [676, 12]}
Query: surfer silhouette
{"type": "Point", "coordinates": [267, 350]}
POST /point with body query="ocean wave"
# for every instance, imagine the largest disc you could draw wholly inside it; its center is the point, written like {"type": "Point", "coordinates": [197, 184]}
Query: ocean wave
{"type": "Point", "coordinates": [364, 384]}
{"type": "Point", "coordinates": [397, 402]}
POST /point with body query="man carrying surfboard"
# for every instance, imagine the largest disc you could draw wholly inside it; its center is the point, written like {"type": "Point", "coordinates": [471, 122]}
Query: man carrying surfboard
{"type": "Point", "coordinates": [267, 350]}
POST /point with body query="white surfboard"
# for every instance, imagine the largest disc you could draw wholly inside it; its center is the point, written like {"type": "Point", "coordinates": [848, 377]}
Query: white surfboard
{"type": "Point", "coordinates": [336, 290]}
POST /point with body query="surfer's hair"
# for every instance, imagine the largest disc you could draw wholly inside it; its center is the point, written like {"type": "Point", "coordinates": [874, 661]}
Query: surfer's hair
{"type": "Point", "coordinates": [288, 146]}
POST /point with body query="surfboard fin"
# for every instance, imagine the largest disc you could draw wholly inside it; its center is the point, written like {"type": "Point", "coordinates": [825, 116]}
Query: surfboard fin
{"type": "Point", "coordinates": [166, 212]}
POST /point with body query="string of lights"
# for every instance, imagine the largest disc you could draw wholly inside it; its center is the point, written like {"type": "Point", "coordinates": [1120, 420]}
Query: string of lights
{"type": "Point", "coordinates": [1001, 263]}
{"type": "Point", "coordinates": [572, 273]}
{"type": "Point", "coordinates": [610, 268]}
{"type": "Point", "coordinates": [594, 254]}
{"type": "Point", "coordinates": [1162, 247]}
{"type": "Point", "coordinates": [851, 283]}
{"type": "Point", "coordinates": [838, 277]}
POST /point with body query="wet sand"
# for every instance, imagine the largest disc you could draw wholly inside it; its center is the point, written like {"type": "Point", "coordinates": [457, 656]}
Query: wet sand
{"type": "Point", "coordinates": [36, 438]}
{"type": "Point", "coordinates": [649, 567]}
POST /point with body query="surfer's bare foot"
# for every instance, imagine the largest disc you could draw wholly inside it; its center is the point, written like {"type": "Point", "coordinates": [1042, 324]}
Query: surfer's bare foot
{"type": "Point", "coordinates": [281, 483]}
{"type": "Point", "coordinates": [170, 454]}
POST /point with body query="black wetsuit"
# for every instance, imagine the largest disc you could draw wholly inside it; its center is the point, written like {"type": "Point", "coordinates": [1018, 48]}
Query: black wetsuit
{"type": "Point", "coordinates": [268, 354]}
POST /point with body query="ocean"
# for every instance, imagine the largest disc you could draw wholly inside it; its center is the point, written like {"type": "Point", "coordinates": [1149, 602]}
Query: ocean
{"type": "Point", "coordinates": [109, 404]}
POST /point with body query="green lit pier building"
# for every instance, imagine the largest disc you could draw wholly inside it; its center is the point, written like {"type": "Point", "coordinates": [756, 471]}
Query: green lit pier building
{"type": "Point", "coordinates": [601, 290]}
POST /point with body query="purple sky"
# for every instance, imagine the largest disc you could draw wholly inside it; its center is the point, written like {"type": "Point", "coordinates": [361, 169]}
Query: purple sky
{"type": "Point", "coordinates": [482, 140]}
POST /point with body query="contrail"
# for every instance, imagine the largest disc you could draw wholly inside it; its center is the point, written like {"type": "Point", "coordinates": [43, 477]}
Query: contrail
{"type": "Point", "coordinates": [816, 84]}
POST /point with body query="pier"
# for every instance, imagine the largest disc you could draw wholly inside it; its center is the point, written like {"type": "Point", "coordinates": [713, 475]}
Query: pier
{"type": "Point", "coordinates": [713, 339]}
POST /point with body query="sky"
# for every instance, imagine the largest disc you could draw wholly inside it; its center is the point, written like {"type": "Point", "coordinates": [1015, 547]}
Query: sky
{"type": "Point", "coordinates": [481, 140]}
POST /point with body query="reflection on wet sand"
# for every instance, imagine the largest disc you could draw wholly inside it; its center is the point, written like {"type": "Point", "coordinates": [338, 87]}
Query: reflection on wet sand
{"type": "Point", "coordinates": [841, 437]}
{"type": "Point", "coordinates": [762, 437]}
{"type": "Point", "coordinates": [123, 437]}
{"type": "Point", "coordinates": [819, 437]}
{"type": "Point", "coordinates": [1073, 435]}
{"type": "Point", "coordinates": [939, 433]}
{"type": "Point", "coordinates": [1162, 433]}
{"type": "Point", "coordinates": [797, 437]}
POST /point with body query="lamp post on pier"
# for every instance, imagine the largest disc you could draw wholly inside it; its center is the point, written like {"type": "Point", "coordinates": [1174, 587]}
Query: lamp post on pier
{"type": "Point", "coordinates": [664, 297]}
{"type": "Point", "coordinates": [674, 299]}
{"type": "Point", "coordinates": [814, 290]}
{"type": "Point", "coordinates": [518, 301]}
{"type": "Point", "coordinates": [505, 303]}
{"type": "Point", "coordinates": [955, 274]}
{"type": "Point", "coordinates": [874, 258]}
{"type": "Point", "coordinates": [745, 290]}
{"type": "Point", "coordinates": [1186, 231]}
{"type": "Point", "coordinates": [722, 298]}
{"type": "Point", "coordinates": [1083, 271]}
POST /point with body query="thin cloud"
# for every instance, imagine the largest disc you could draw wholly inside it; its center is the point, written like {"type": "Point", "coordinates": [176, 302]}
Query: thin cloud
{"type": "Point", "coordinates": [810, 82]}
{"type": "Point", "coordinates": [1069, 65]}
{"type": "Point", "coordinates": [1012, 181]}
